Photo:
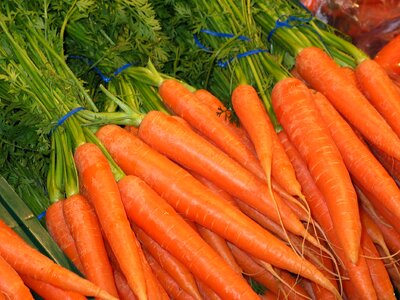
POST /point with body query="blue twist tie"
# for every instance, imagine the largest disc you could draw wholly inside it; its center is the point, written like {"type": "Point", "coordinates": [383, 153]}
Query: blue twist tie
{"type": "Point", "coordinates": [286, 23]}
{"type": "Point", "coordinates": [65, 117]}
{"type": "Point", "coordinates": [224, 64]}
{"type": "Point", "coordinates": [41, 215]}
{"type": "Point", "coordinates": [103, 77]}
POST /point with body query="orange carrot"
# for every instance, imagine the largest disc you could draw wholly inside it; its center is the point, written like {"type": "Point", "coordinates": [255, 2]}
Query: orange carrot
{"type": "Point", "coordinates": [206, 292]}
{"type": "Point", "coordinates": [254, 117]}
{"type": "Point", "coordinates": [124, 291]}
{"type": "Point", "coordinates": [169, 284]}
{"type": "Point", "coordinates": [98, 180]}
{"type": "Point", "coordinates": [389, 57]}
{"type": "Point", "coordinates": [59, 231]}
{"type": "Point", "coordinates": [85, 230]}
{"type": "Point", "coordinates": [11, 284]}
{"type": "Point", "coordinates": [380, 277]}
{"type": "Point", "coordinates": [184, 103]}
{"type": "Point", "coordinates": [29, 261]}
{"type": "Point", "coordinates": [359, 273]}
{"type": "Point", "coordinates": [360, 162]}
{"type": "Point", "coordinates": [160, 221]}
{"type": "Point", "coordinates": [324, 75]}
{"type": "Point", "coordinates": [178, 271]}
{"type": "Point", "coordinates": [391, 164]}
{"type": "Point", "coordinates": [195, 153]}
{"type": "Point", "coordinates": [296, 111]}
{"type": "Point", "coordinates": [190, 198]}
{"type": "Point", "coordinates": [380, 91]}
{"type": "Point", "coordinates": [50, 292]}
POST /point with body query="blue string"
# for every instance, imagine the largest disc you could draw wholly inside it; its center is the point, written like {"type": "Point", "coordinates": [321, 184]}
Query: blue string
{"type": "Point", "coordinates": [41, 215]}
{"type": "Point", "coordinates": [287, 23]}
{"type": "Point", "coordinates": [103, 77]}
{"type": "Point", "coordinates": [65, 117]}
{"type": "Point", "coordinates": [220, 63]}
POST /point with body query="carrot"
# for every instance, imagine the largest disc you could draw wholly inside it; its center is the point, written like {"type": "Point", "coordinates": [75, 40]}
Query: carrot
{"type": "Point", "coordinates": [380, 277]}
{"type": "Point", "coordinates": [359, 273]}
{"type": "Point", "coordinates": [297, 113]}
{"type": "Point", "coordinates": [59, 231]}
{"type": "Point", "coordinates": [190, 198]}
{"type": "Point", "coordinates": [169, 284]}
{"type": "Point", "coordinates": [50, 292]}
{"type": "Point", "coordinates": [224, 114]}
{"type": "Point", "coordinates": [178, 271]}
{"type": "Point", "coordinates": [206, 292]}
{"type": "Point", "coordinates": [391, 164]}
{"type": "Point", "coordinates": [184, 103]}
{"type": "Point", "coordinates": [360, 162]}
{"type": "Point", "coordinates": [380, 91]}
{"type": "Point", "coordinates": [29, 261]}
{"type": "Point", "coordinates": [11, 284]}
{"type": "Point", "coordinates": [124, 291]}
{"type": "Point", "coordinates": [85, 230]}
{"type": "Point", "coordinates": [98, 180]}
{"type": "Point", "coordinates": [326, 77]}
{"type": "Point", "coordinates": [389, 57]}
{"type": "Point", "coordinates": [160, 221]}
{"type": "Point", "coordinates": [195, 153]}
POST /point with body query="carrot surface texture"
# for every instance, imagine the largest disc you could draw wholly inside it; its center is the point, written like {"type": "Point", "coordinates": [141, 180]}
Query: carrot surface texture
{"type": "Point", "coordinates": [190, 198]}
{"type": "Point", "coordinates": [324, 75]}
{"type": "Point", "coordinates": [360, 162]}
{"type": "Point", "coordinates": [162, 223]}
{"type": "Point", "coordinates": [171, 138]}
{"type": "Point", "coordinates": [98, 180]}
{"type": "Point", "coordinates": [389, 57]}
{"type": "Point", "coordinates": [29, 261]}
{"type": "Point", "coordinates": [297, 113]}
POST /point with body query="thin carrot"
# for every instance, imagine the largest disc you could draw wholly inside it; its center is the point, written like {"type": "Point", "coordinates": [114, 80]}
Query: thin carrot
{"type": "Point", "coordinates": [184, 103]}
{"type": "Point", "coordinates": [178, 271]}
{"type": "Point", "coordinates": [169, 284]}
{"type": "Point", "coordinates": [29, 261]}
{"type": "Point", "coordinates": [360, 162]}
{"type": "Point", "coordinates": [59, 231]}
{"type": "Point", "coordinates": [86, 232]}
{"type": "Point", "coordinates": [195, 153]}
{"type": "Point", "coordinates": [50, 292]}
{"type": "Point", "coordinates": [206, 292]}
{"type": "Point", "coordinates": [11, 284]}
{"type": "Point", "coordinates": [389, 57]}
{"type": "Point", "coordinates": [160, 221]}
{"type": "Point", "coordinates": [190, 198]}
{"type": "Point", "coordinates": [380, 91]}
{"type": "Point", "coordinates": [391, 164]}
{"type": "Point", "coordinates": [380, 277]}
{"type": "Point", "coordinates": [358, 274]}
{"type": "Point", "coordinates": [124, 290]}
{"type": "Point", "coordinates": [324, 75]}
{"type": "Point", "coordinates": [98, 180]}
{"type": "Point", "coordinates": [297, 113]}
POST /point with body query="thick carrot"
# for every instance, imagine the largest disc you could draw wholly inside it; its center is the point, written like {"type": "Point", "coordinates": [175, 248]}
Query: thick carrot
{"type": "Point", "coordinates": [296, 111]}
{"type": "Point", "coordinates": [97, 178]}
{"type": "Point", "coordinates": [59, 231]}
{"type": "Point", "coordinates": [170, 285]}
{"type": "Point", "coordinates": [389, 57]}
{"type": "Point", "coordinates": [359, 273]}
{"type": "Point", "coordinates": [160, 221]}
{"type": "Point", "coordinates": [380, 91]}
{"type": "Point", "coordinates": [178, 271]}
{"type": "Point", "coordinates": [190, 198]}
{"type": "Point", "coordinates": [11, 284]}
{"type": "Point", "coordinates": [172, 139]}
{"type": "Point", "coordinates": [380, 277]}
{"type": "Point", "coordinates": [324, 75]}
{"type": "Point", "coordinates": [254, 117]}
{"type": "Point", "coordinates": [50, 292]}
{"type": "Point", "coordinates": [360, 162]}
{"type": "Point", "coordinates": [184, 103]}
{"type": "Point", "coordinates": [86, 232]}
{"type": "Point", "coordinates": [29, 261]}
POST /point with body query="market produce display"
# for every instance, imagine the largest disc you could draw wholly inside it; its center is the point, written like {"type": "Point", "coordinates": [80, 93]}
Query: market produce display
{"type": "Point", "coordinates": [195, 150]}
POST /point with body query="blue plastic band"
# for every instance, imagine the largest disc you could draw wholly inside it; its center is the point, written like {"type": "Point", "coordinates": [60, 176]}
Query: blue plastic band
{"type": "Point", "coordinates": [224, 64]}
{"type": "Point", "coordinates": [65, 117]}
{"type": "Point", "coordinates": [103, 77]}
{"type": "Point", "coordinates": [41, 215]}
{"type": "Point", "coordinates": [225, 35]}
{"type": "Point", "coordinates": [199, 44]}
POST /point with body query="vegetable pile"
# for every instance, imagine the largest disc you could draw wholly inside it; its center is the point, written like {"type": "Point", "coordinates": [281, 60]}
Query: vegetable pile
{"type": "Point", "coordinates": [195, 150]}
